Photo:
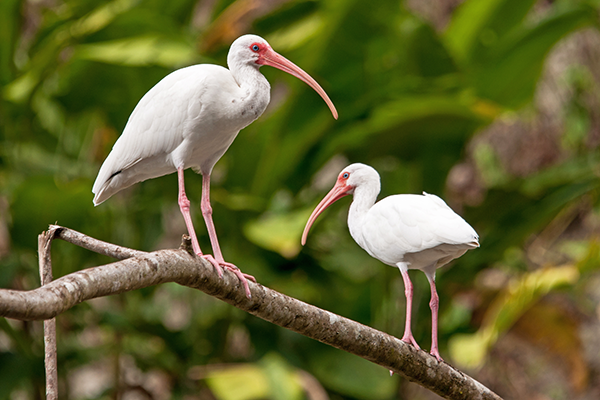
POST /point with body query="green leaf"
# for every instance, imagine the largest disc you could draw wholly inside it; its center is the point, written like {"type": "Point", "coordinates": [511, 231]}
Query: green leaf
{"type": "Point", "coordinates": [351, 375]}
{"type": "Point", "coordinates": [469, 350]}
{"type": "Point", "coordinates": [283, 379]}
{"type": "Point", "coordinates": [98, 19]}
{"type": "Point", "coordinates": [509, 77]}
{"type": "Point", "coordinates": [278, 232]}
{"type": "Point", "coordinates": [272, 378]}
{"type": "Point", "coordinates": [10, 24]}
{"type": "Point", "coordinates": [428, 55]}
{"type": "Point", "coordinates": [478, 24]}
{"type": "Point", "coordinates": [573, 170]}
{"type": "Point", "coordinates": [242, 382]}
{"type": "Point", "coordinates": [139, 51]}
{"type": "Point", "coordinates": [20, 89]}
{"type": "Point", "coordinates": [404, 125]}
{"type": "Point", "coordinates": [14, 369]}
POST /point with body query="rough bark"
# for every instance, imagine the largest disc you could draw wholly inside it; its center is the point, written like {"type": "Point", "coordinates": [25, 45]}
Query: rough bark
{"type": "Point", "coordinates": [183, 267]}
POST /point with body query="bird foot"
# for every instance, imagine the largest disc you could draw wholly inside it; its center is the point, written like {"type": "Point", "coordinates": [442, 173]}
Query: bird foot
{"type": "Point", "coordinates": [214, 263]}
{"type": "Point", "coordinates": [221, 265]}
{"type": "Point", "coordinates": [410, 339]}
{"type": "Point", "coordinates": [435, 352]}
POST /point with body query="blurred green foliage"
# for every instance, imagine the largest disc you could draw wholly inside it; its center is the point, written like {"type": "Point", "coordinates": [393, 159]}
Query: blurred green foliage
{"type": "Point", "coordinates": [410, 96]}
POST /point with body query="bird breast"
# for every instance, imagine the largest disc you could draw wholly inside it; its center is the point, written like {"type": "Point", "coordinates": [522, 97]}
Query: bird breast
{"type": "Point", "coordinates": [220, 111]}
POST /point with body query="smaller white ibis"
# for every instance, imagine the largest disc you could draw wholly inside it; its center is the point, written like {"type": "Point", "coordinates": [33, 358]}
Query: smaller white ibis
{"type": "Point", "coordinates": [406, 231]}
{"type": "Point", "coordinates": [188, 120]}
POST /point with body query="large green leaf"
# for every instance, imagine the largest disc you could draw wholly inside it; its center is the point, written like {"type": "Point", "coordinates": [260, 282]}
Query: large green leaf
{"type": "Point", "coordinates": [350, 375]}
{"type": "Point", "coordinates": [509, 76]}
{"type": "Point", "coordinates": [139, 51]}
{"type": "Point", "coordinates": [51, 46]}
{"type": "Point", "coordinates": [479, 24]}
{"type": "Point", "coordinates": [9, 29]}
{"type": "Point", "coordinates": [469, 350]}
{"type": "Point", "coordinates": [272, 378]}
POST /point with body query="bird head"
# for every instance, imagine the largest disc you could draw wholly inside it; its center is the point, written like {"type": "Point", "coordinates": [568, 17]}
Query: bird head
{"type": "Point", "coordinates": [255, 51]}
{"type": "Point", "coordinates": [358, 175]}
{"type": "Point", "coordinates": [352, 177]}
{"type": "Point", "coordinates": [248, 49]}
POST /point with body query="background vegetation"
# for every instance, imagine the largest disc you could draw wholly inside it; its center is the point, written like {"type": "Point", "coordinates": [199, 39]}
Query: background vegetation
{"type": "Point", "coordinates": [492, 104]}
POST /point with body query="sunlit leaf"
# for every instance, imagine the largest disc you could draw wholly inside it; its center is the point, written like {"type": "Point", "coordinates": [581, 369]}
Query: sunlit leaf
{"type": "Point", "coordinates": [283, 379]}
{"type": "Point", "coordinates": [469, 350]}
{"type": "Point", "coordinates": [278, 232]}
{"type": "Point", "coordinates": [100, 17]}
{"type": "Point", "coordinates": [243, 382]}
{"type": "Point", "coordinates": [19, 89]}
{"type": "Point", "coordinates": [139, 51]}
{"type": "Point", "coordinates": [348, 374]}
{"type": "Point", "coordinates": [272, 378]}
{"type": "Point", "coordinates": [294, 36]}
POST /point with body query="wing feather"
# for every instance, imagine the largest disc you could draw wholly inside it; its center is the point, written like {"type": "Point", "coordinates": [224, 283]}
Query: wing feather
{"type": "Point", "coordinates": [156, 127]}
{"type": "Point", "coordinates": [415, 224]}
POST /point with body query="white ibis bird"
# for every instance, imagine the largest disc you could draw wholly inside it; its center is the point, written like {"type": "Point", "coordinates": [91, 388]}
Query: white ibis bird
{"type": "Point", "coordinates": [406, 231]}
{"type": "Point", "coordinates": [189, 119]}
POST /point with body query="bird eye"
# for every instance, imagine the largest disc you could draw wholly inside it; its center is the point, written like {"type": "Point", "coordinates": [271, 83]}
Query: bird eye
{"type": "Point", "coordinates": [346, 175]}
{"type": "Point", "coordinates": [255, 47]}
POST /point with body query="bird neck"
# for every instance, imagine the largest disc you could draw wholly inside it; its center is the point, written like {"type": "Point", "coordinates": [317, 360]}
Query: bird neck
{"type": "Point", "coordinates": [247, 75]}
{"type": "Point", "coordinates": [256, 88]}
{"type": "Point", "coordinates": [364, 198]}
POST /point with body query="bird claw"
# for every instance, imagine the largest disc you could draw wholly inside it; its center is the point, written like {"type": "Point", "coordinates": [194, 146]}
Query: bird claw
{"type": "Point", "coordinates": [214, 262]}
{"type": "Point", "coordinates": [233, 268]}
{"type": "Point", "coordinates": [410, 339]}
{"type": "Point", "coordinates": [221, 265]}
{"type": "Point", "coordinates": [436, 354]}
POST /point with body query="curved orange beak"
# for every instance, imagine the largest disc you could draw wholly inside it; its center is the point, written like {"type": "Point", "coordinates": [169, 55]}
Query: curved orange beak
{"type": "Point", "coordinates": [339, 190]}
{"type": "Point", "coordinates": [274, 59]}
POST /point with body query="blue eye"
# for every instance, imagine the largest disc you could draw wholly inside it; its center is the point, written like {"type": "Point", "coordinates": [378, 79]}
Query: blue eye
{"type": "Point", "coordinates": [346, 175]}
{"type": "Point", "coordinates": [255, 47]}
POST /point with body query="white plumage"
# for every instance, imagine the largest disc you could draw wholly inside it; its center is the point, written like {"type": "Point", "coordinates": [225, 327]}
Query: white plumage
{"type": "Point", "coordinates": [419, 229]}
{"type": "Point", "coordinates": [405, 231]}
{"type": "Point", "coordinates": [188, 120]}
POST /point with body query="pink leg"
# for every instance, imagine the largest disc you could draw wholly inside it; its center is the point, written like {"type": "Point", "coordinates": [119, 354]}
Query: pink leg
{"type": "Point", "coordinates": [212, 234]}
{"type": "Point", "coordinates": [184, 206]}
{"type": "Point", "coordinates": [408, 291]}
{"type": "Point", "coordinates": [434, 305]}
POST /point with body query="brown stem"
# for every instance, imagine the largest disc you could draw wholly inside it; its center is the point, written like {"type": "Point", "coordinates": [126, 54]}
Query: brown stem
{"type": "Point", "coordinates": [50, 355]}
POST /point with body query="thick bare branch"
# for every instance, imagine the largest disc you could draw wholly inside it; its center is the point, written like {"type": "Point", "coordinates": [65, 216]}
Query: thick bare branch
{"type": "Point", "coordinates": [186, 269]}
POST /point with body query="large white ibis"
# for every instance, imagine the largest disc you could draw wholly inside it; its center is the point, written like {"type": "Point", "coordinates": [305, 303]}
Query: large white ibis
{"type": "Point", "coordinates": [406, 231]}
{"type": "Point", "coordinates": [189, 119]}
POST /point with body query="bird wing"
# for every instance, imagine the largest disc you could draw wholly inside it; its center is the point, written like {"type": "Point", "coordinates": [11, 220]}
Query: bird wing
{"type": "Point", "coordinates": [451, 228]}
{"type": "Point", "coordinates": [403, 224]}
{"type": "Point", "coordinates": [156, 127]}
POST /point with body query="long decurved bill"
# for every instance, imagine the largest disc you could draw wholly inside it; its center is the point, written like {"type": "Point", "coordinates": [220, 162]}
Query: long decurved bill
{"type": "Point", "coordinates": [339, 190]}
{"type": "Point", "coordinates": [274, 59]}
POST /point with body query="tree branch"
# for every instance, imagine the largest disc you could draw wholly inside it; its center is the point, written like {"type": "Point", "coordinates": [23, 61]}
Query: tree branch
{"type": "Point", "coordinates": [50, 355]}
{"type": "Point", "coordinates": [183, 267]}
{"type": "Point", "coordinates": [95, 245]}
